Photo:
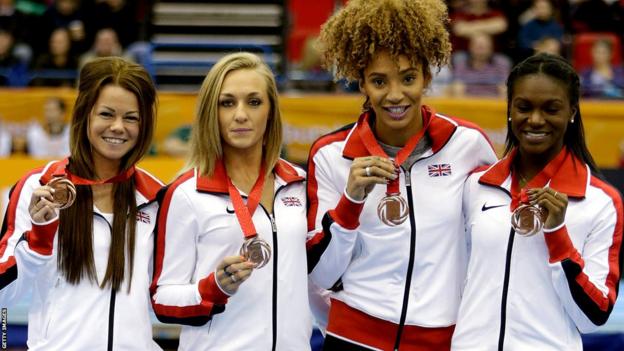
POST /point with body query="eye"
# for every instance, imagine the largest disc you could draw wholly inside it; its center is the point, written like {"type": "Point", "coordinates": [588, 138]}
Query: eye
{"type": "Point", "coordinates": [255, 102]}
{"type": "Point", "coordinates": [378, 82]}
{"type": "Point", "coordinates": [105, 114]}
{"type": "Point", "coordinates": [132, 119]}
{"type": "Point", "coordinates": [409, 79]}
{"type": "Point", "coordinates": [226, 103]}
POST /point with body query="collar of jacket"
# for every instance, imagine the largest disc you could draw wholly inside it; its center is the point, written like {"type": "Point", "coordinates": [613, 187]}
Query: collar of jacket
{"type": "Point", "coordinates": [566, 172]}
{"type": "Point", "coordinates": [146, 185]}
{"type": "Point", "coordinates": [439, 131]}
{"type": "Point", "coordinates": [217, 183]}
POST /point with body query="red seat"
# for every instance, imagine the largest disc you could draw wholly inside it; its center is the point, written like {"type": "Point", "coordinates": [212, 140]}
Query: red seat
{"type": "Point", "coordinates": [582, 44]}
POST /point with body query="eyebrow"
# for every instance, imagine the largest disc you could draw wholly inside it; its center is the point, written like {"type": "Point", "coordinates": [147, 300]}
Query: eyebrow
{"type": "Point", "coordinates": [232, 95]}
{"type": "Point", "coordinates": [112, 109]}
{"type": "Point", "coordinates": [406, 70]}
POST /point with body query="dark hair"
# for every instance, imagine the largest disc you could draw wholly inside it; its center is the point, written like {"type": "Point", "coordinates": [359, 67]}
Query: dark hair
{"type": "Point", "coordinates": [75, 240]}
{"type": "Point", "coordinates": [558, 68]}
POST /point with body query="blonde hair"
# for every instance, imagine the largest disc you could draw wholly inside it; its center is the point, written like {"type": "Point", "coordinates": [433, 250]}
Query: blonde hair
{"type": "Point", "coordinates": [414, 28]}
{"type": "Point", "coordinates": [205, 142]}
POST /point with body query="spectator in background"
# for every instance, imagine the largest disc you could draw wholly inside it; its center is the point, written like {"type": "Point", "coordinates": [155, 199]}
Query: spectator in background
{"type": "Point", "coordinates": [481, 71]}
{"type": "Point", "coordinates": [548, 45]}
{"type": "Point", "coordinates": [106, 44]}
{"type": "Point", "coordinates": [19, 25]}
{"type": "Point", "coordinates": [58, 57]}
{"type": "Point", "coordinates": [544, 24]}
{"type": "Point", "coordinates": [63, 14]}
{"type": "Point", "coordinates": [119, 15]}
{"type": "Point", "coordinates": [602, 79]}
{"type": "Point", "coordinates": [177, 142]}
{"type": "Point", "coordinates": [5, 140]}
{"type": "Point", "coordinates": [50, 139]}
{"type": "Point", "coordinates": [476, 17]}
{"type": "Point", "coordinates": [8, 59]}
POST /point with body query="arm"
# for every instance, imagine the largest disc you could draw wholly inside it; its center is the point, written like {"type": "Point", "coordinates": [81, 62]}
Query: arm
{"type": "Point", "coordinates": [176, 296]}
{"type": "Point", "coordinates": [25, 246]}
{"type": "Point", "coordinates": [586, 281]}
{"type": "Point", "coordinates": [492, 26]}
{"type": "Point", "coordinates": [334, 214]}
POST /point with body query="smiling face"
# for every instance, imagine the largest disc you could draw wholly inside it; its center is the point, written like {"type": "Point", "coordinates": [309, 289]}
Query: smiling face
{"type": "Point", "coordinates": [244, 108]}
{"type": "Point", "coordinates": [114, 124]}
{"type": "Point", "coordinates": [395, 90]}
{"type": "Point", "coordinates": [540, 111]}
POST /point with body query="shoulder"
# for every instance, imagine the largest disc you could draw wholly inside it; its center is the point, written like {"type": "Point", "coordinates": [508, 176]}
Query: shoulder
{"type": "Point", "coordinates": [337, 137]}
{"type": "Point", "coordinates": [465, 129]}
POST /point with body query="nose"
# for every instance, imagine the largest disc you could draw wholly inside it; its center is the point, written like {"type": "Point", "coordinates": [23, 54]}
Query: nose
{"type": "Point", "coordinates": [536, 118]}
{"type": "Point", "coordinates": [240, 113]}
{"type": "Point", "coordinates": [117, 124]}
{"type": "Point", "coordinates": [395, 93]}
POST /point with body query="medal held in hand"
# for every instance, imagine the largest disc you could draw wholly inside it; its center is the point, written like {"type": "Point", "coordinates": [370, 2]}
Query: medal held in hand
{"type": "Point", "coordinates": [256, 251]}
{"type": "Point", "coordinates": [64, 192]}
{"type": "Point", "coordinates": [526, 219]}
{"type": "Point", "coordinates": [392, 209]}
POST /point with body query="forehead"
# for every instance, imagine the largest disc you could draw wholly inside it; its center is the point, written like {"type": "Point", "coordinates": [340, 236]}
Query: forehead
{"type": "Point", "coordinates": [540, 87]}
{"type": "Point", "coordinates": [244, 81]}
{"type": "Point", "coordinates": [383, 62]}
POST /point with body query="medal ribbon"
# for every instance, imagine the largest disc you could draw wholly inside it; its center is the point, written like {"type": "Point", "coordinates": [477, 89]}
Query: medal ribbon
{"type": "Point", "coordinates": [77, 180]}
{"type": "Point", "coordinates": [373, 147]}
{"type": "Point", "coordinates": [245, 212]}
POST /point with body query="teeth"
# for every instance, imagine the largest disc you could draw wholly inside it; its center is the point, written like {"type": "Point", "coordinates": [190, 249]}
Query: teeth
{"type": "Point", "coordinates": [536, 134]}
{"type": "Point", "coordinates": [397, 109]}
{"type": "Point", "coordinates": [114, 140]}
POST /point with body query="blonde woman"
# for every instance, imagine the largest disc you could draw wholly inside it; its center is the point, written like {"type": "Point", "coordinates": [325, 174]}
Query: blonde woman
{"type": "Point", "coordinates": [203, 279]}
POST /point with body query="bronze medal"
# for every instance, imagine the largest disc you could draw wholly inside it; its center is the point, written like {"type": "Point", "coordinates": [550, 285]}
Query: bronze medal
{"type": "Point", "coordinates": [256, 251]}
{"type": "Point", "coordinates": [64, 192]}
{"type": "Point", "coordinates": [528, 220]}
{"type": "Point", "coordinates": [392, 210]}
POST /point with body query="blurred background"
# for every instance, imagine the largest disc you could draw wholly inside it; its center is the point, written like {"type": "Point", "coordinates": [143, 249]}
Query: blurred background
{"type": "Point", "coordinates": [43, 44]}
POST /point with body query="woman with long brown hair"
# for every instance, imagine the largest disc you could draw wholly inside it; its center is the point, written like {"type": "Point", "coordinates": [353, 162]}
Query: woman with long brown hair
{"type": "Point", "coordinates": [79, 231]}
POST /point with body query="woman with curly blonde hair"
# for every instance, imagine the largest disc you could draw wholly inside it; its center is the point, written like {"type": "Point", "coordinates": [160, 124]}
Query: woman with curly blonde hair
{"type": "Point", "coordinates": [393, 254]}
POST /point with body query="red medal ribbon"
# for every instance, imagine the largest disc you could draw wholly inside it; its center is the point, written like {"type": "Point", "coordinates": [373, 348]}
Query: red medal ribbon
{"type": "Point", "coordinates": [244, 211]}
{"type": "Point", "coordinates": [373, 147]}
{"type": "Point", "coordinates": [77, 180]}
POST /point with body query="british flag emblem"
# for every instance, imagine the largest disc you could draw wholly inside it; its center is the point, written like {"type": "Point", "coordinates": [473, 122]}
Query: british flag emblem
{"type": "Point", "coordinates": [291, 201]}
{"type": "Point", "coordinates": [143, 217]}
{"type": "Point", "coordinates": [439, 170]}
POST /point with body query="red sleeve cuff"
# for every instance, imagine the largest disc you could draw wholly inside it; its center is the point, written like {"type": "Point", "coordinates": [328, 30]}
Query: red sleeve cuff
{"type": "Point", "coordinates": [560, 246]}
{"type": "Point", "coordinates": [347, 213]}
{"type": "Point", "coordinates": [41, 237]}
{"type": "Point", "coordinates": [210, 292]}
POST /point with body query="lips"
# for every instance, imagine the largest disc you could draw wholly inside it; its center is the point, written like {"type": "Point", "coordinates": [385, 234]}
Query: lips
{"type": "Point", "coordinates": [241, 130]}
{"type": "Point", "coordinates": [396, 112]}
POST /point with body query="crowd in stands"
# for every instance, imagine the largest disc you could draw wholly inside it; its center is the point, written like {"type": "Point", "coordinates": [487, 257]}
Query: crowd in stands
{"type": "Point", "coordinates": [45, 42]}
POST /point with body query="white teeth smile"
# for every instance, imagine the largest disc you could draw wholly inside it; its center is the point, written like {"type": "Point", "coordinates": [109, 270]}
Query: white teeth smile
{"type": "Point", "coordinates": [114, 140]}
{"type": "Point", "coordinates": [396, 111]}
{"type": "Point", "coordinates": [536, 134]}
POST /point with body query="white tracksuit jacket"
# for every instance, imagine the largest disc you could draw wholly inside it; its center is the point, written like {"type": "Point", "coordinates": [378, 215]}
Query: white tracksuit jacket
{"type": "Point", "coordinates": [63, 316]}
{"type": "Point", "coordinates": [537, 293]}
{"type": "Point", "coordinates": [197, 228]}
{"type": "Point", "coordinates": [405, 279]}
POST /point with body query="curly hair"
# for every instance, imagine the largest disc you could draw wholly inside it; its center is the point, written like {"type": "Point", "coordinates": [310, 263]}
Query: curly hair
{"type": "Point", "coordinates": [414, 28]}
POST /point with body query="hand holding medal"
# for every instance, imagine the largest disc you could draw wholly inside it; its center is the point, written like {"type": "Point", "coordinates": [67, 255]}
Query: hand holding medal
{"type": "Point", "coordinates": [393, 209]}
{"type": "Point", "coordinates": [540, 208]}
{"type": "Point", "coordinates": [64, 192]}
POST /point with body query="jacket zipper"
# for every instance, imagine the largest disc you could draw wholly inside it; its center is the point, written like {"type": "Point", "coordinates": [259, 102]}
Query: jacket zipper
{"type": "Point", "coordinates": [501, 338]}
{"type": "Point", "coordinates": [111, 308]}
{"type": "Point", "coordinates": [274, 253]}
{"type": "Point", "coordinates": [410, 266]}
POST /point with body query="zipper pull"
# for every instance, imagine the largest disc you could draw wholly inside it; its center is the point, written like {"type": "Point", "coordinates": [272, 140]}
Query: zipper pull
{"type": "Point", "coordinates": [408, 181]}
{"type": "Point", "coordinates": [273, 226]}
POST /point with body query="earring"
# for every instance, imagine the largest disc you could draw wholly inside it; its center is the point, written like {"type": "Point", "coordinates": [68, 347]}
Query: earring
{"type": "Point", "coordinates": [572, 120]}
{"type": "Point", "coordinates": [508, 119]}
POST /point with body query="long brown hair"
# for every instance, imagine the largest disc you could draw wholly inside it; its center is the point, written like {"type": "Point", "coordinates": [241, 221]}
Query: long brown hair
{"type": "Point", "coordinates": [75, 239]}
{"type": "Point", "coordinates": [206, 141]}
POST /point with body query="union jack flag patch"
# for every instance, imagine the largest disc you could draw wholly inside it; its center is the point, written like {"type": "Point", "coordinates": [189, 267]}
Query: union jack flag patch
{"type": "Point", "coordinates": [291, 201]}
{"type": "Point", "coordinates": [143, 217]}
{"type": "Point", "coordinates": [439, 170]}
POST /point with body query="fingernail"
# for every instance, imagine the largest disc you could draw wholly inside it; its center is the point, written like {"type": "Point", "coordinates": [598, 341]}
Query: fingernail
{"type": "Point", "coordinates": [394, 176]}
